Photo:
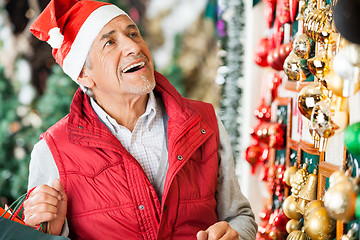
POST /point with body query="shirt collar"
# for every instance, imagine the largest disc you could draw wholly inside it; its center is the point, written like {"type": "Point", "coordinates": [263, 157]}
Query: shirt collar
{"type": "Point", "coordinates": [150, 112]}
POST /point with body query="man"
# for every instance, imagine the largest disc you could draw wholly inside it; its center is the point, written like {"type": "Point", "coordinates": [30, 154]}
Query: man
{"type": "Point", "coordinates": [135, 159]}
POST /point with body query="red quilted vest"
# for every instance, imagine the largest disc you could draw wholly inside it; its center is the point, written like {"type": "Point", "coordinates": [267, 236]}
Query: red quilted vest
{"type": "Point", "coordinates": [110, 196]}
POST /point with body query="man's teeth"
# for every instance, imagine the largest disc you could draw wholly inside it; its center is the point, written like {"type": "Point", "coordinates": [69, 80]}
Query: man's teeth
{"type": "Point", "coordinates": [139, 65]}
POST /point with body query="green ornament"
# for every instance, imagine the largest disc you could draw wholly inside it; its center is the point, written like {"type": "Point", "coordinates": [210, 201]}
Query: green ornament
{"type": "Point", "coordinates": [352, 138]}
{"type": "Point", "coordinates": [357, 208]}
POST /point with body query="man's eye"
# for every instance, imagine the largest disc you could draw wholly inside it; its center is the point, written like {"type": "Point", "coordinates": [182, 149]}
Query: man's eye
{"type": "Point", "coordinates": [134, 34]}
{"type": "Point", "coordinates": [108, 43]}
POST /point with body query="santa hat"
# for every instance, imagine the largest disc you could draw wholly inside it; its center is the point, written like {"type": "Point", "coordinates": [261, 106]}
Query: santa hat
{"type": "Point", "coordinates": [70, 27]}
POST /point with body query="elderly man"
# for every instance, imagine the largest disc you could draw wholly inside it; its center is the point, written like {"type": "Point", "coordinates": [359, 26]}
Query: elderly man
{"type": "Point", "coordinates": [133, 159]}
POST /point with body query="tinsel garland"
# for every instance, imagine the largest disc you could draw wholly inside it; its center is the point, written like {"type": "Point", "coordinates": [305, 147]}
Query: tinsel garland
{"type": "Point", "coordinates": [231, 108]}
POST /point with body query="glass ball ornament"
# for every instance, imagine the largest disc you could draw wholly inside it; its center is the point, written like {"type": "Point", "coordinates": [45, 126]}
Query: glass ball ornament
{"type": "Point", "coordinates": [294, 68]}
{"type": "Point", "coordinates": [289, 208]}
{"type": "Point", "coordinates": [352, 138]}
{"type": "Point", "coordinates": [303, 47]}
{"type": "Point", "coordinates": [319, 225]}
{"type": "Point", "coordinates": [309, 96]}
{"type": "Point", "coordinates": [293, 225]}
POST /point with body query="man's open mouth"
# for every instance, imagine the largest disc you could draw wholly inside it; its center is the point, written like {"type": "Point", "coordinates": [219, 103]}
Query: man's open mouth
{"type": "Point", "coordinates": [134, 67]}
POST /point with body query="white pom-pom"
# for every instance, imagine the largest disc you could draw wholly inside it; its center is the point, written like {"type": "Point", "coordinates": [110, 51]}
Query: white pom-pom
{"type": "Point", "coordinates": [56, 38]}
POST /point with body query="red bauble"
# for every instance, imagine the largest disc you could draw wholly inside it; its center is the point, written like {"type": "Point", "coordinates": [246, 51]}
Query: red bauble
{"type": "Point", "coordinates": [261, 52]}
{"type": "Point", "coordinates": [280, 221]}
{"type": "Point", "coordinates": [263, 112]}
{"type": "Point", "coordinates": [269, 9]}
{"type": "Point", "coordinates": [253, 156]}
{"type": "Point", "coordinates": [282, 11]}
{"type": "Point", "coordinates": [275, 83]}
{"type": "Point", "coordinates": [293, 7]}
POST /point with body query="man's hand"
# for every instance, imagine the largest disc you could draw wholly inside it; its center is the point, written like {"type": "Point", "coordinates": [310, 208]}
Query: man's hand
{"type": "Point", "coordinates": [47, 204]}
{"type": "Point", "coordinates": [220, 230]}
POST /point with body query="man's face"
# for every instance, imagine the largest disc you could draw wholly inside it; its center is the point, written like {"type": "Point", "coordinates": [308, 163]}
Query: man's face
{"type": "Point", "coordinates": [120, 61]}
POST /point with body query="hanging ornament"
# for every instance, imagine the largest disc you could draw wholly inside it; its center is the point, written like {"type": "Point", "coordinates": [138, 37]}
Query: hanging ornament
{"type": "Point", "coordinates": [319, 65]}
{"type": "Point", "coordinates": [277, 135]}
{"type": "Point", "coordinates": [304, 47]}
{"type": "Point", "coordinates": [261, 52]}
{"type": "Point", "coordinates": [298, 235]}
{"type": "Point", "coordinates": [295, 68]}
{"type": "Point", "coordinates": [275, 83]}
{"type": "Point", "coordinates": [340, 113]}
{"type": "Point", "coordinates": [309, 96]}
{"type": "Point", "coordinates": [351, 234]}
{"type": "Point", "coordinates": [283, 11]}
{"type": "Point", "coordinates": [340, 199]}
{"type": "Point", "coordinates": [255, 155]}
{"type": "Point", "coordinates": [293, 7]}
{"type": "Point", "coordinates": [263, 111]}
{"type": "Point", "coordinates": [352, 139]}
{"type": "Point", "coordinates": [293, 225]}
{"type": "Point", "coordinates": [289, 173]}
{"type": "Point", "coordinates": [269, 11]}
{"type": "Point", "coordinates": [311, 206]}
{"type": "Point", "coordinates": [277, 56]}
{"type": "Point", "coordinates": [321, 122]}
{"type": "Point", "coordinates": [319, 225]}
{"type": "Point", "coordinates": [338, 85]}
{"type": "Point", "coordinates": [289, 208]}
{"type": "Point", "coordinates": [317, 25]}
{"type": "Point", "coordinates": [308, 192]}
{"type": "Point", "coordinates": [299, 180]}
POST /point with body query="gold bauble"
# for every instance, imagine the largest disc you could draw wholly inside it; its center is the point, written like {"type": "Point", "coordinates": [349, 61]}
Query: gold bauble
{"type": "Point", "coordinates": [289, 173]}
{"type": "Point", "coordinates": [336, 177]}
{"type": "Point", "coordinates": [319, 225]}
{"type": "Point", "coordinates": [298, 235]}
{"type": "Point", "coordinates": [298, 180]}
{"type": "Point", "coordinates": [340, 201]}
{"type": "Point", "coordinates": [320, 64]}
{"type": "Point", "coordinates": [302, 46]}
{"type": "Point", "coordinates": [292, 68]}
{"type": "Point", "coordinates": [311, 206]}
{"type": "Point", "coordinates": [293, 225]}
{"type": "Point", "coordinates": [309, 96]}
{"type": "Point", "coordinates": [289, 208]}
{"type": "Point", "coordinates": [321, 120]}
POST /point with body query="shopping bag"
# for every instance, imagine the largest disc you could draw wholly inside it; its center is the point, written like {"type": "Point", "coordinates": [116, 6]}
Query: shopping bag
{"type": "Point", "coordinates": [12, 227]}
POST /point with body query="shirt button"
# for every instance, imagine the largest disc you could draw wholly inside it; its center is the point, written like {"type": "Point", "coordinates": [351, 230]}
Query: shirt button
{"type": "Point", "coordinates": [141, 207]}
{"type": "Point", "coordinates": [165, 207]}
{"type": "Point", "coordinates": [179, 157]}
{"type": "Point", "coordinates": [203, 131]}
{"type": "Point", "coordinates": [81, 127]}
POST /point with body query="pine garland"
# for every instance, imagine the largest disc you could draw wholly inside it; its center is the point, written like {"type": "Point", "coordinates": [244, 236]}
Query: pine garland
{"type": "Point", "coordinates": [231, 108]}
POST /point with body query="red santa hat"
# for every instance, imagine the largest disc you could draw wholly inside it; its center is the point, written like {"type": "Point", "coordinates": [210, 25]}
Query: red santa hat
{"type": "Point", "coordinates": [70, 27]}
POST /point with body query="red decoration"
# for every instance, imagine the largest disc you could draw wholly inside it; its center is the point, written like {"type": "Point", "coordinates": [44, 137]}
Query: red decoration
{"type": "Point", "coordinates": [275, 83]}
{"type": "Point", "coordinates": [283, 11]}
{"type": "Point", "coordinates": [261, 52]}
{"type": "Point", "coordinates": [255, 154]}
{"type": "Point", "coordinates": [263, 112]}
{"type": "Point", "coordinates": [293, 7]}
{"type": "Point", "coordinates": [272, 134]}
{"type": "Point", "coordinates": [276, 57]}
{"type": "Point", "coordinates": [269, 11]}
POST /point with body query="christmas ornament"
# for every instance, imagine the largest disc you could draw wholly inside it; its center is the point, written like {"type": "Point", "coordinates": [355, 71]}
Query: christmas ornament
{"type": "Point", "coordinates": [304, 47]}
{"type": "Point", "coordinates": [277, 56]}
{"type": "Point", "coordinates": [280, 220]}
{"type": "Point", "coordinates": [289, 173]}
{"type": "Point", "coordinates": [263, 111]}
{"type": "Point", "coordinates": [319, 225]}
{"type": "Point", "coordinates": [275, 83]}
{"type": "Point", "coordinates": [340, 199]}
{"type": "Point", "coordinates": [317, 25]}
{"type": "Point", "coordinates": [347, 19]}
{"type": "Point", "coordinates": [269, 11]}
{"type": "Point", "coordinates": [339, 113]}
{"type": "Point", "coordinates": [351, 234]}
{"type": "Point", "coordinates": [293, 7]}
{"type": "Point", "coordinates": [321, 122]}
{"type": "Point", "coordinates": [299, 180]}
{"type": "Point", "coordinates": [298, 235]}
{"type": "Point", "coordinates": [283, 11]}
{"type": "Point", "coordinates": [308, 192]}
{"type": "Point", "coordinates": [311, 206]}
{"type": "Point", "coordinates": [309, 96]}
{"type": "Point", "coordinates": [261, 52]}
{"type": "Point", "coordinates": [289, 208]}
{"type": "Point", "coordinates": [352, 138]}
{"type": "Point", "coordinates": [293, 225]}
{"type": "Point", "coordinates": [292, 68]}
{"type": "Point", "coordinates": [336, 84]}
{"type": "Point", "coordinates": [319, 65]}
{"type": "Point", "coordinates": [255, 155]}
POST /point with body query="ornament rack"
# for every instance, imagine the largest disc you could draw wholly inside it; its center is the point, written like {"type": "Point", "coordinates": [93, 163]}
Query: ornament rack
{"type": "Point", "coordinates": [301, 146]}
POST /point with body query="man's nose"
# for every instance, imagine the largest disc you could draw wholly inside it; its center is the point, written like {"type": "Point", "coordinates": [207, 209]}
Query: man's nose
{"type": "Point", "coordinates": [130, 47]}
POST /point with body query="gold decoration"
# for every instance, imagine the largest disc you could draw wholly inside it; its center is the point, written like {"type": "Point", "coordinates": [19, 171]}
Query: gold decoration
{"type": "Point", "coordinates": [302, 46]}
{"type": "Point", "coordinates": [298, 180]}
{"type": "Point", "coordinates": [319, 65]}
{"type": "Point", "coordinates": [308, 192]}
{"type": "Point", "coordinates": [289, 208]}
{"type": "Point", "coordinates": [311, 206]}
{"type": "Point", "coordinates": [340, 198]}
{"type": "Point", "coordinates": [292, 68]}
{"type": "Point", "coordinates": [309, 96]}
{"type": "Point", "coordinates": [298, 235]}
{"type": "Point", "coordinates": [289, 173]}
{"type": "Point", "coordinates": [336, 84]}
{"type": "Point", "coordinates": [319, 225]}
{"type": "Point", "coordinates": [293, 225]}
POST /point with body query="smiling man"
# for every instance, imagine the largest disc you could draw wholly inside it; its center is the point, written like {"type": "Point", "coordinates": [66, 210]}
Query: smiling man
{"type": "Point", "coordinates": [133, 159]}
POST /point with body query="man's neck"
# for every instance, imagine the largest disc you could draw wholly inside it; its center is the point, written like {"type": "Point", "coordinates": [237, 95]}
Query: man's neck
{"type": "Point", "coordinates": [126, 112]}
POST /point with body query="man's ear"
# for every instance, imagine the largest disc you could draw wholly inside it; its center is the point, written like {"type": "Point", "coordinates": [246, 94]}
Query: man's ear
{"type": "Point", "coordinates": [85, 79]}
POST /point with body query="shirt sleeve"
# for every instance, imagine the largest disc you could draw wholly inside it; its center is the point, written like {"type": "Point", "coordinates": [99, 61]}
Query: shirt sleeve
{"type": "Point", "coordinates": [232, 205]}
{"type": "Point", "coordinates": [43, 170]}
